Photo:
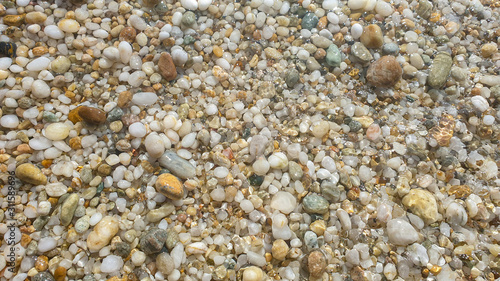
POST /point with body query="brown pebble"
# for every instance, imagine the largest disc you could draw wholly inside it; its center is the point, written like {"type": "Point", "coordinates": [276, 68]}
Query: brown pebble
{"type": "Point", "coordinates": [166, 67]}
{"type": "Point", "coordinates": [372, 36]}
{"type": "Point", "coordinates": [13, 20]}
{"type": "Point", "coordinates": [35, 17]}
{"type": "Point", "coordinates": [60, 273]}
{"type": "Point", "coordinates": [40, 51]}
{"type": "Point", "coordinates": [316, 263]}
{"type": "Point", "coordinates": [124, 98]}
{"type": "Point", "coordinates": [489, 49]}
{"type": "Point", "coordinates": [92, 115]}
{"type": "Point", "coordinates": [31, 174]}
{"type": "Point", "coordinates": [320, 54]}
{"type": "Point", "coordinates": [104, 170]}
{"type": "Point", "coordinates": [280, 249]}
{"type": "Point", "coordinates": [170, 186]}
{"type": "Point", "coordinates": [385, 72]}
{"type": "Point", "coordinates": [42, 263]}
{"type": "Point", "coordinates": [128, 34]}
{"type": "Point", "coordinates": [75, 143]}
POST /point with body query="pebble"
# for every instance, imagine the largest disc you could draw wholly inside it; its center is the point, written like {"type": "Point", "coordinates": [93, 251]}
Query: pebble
{"type": "Point", "coordinates": [424, 9]}
{"type": "Point", "coordinates": [68, 208]}
{"type": "Point", "coordinates": [38, 64]}
{"type": "Point", "coordinates": [280, 249]}
{"type": "Point", "coordinates": [310, 21]}
{"type": "Point", "coordinates": [295, 170]}
{"type": "Point", "coordinates": [360, 53]}
{"type": "Point", "coordinates": [384, 72]}
{"type": "Point", "coordinates": [9, 121]}
{"type": "Point", "coordinates": [165, 263]}
{"type": "Point", "coordinates": [278, 160]}
{"type": "Point", "coordinates": [390, 49]}
{"type": "Point", "coordinates": [40, 89]}
{"type": "Point", "coordinates": [401, 232]}
{"type": "Point", "coordinates": [284, 202]}
{"type": "Point", "coordinates": [440, 69]}
{"type": "Point", "coordinates": [177, 165]}
{"type": "Point", "coordinates": [292, 77]}
{"type": "Point", "coordinates": [188, 18]}
{"type": "Point", "coordinates": [57, 131]}
{"type": "Point", "coordinates": [196, 248]}
{"type": "Point", "coordinates": [372, 36]}
{"type": "Point", "coordinates": [69, 25]}
{"type": "Point", "coordinates": [166, 67]}
{"type": "Point", "coordinates": [153, 241]}
{"type": "Point", "coordinates": [92, 115]}
{"type": "Point", "coordinates": [60, 65]}
{"type": "Point", "coordinates": [111, 263]}
{"type": "Point", "coordinates": [315, 204]}
{"type": "Point", "coordinates": [13, 20]}
{"type": "Point", "coordinates": [30, 174]}
{"type": "Point", "coordinates": [333, 56]}
{"type": "Point", "coordinates": [261, 166]}
{"type": "Point", "coordinates": [102, 233]}
{"type": "Point", "coordinates": [35, 17]}
{"type": "Point", "coordinates": [480, 103]}
{"type": "Point", "coordinates": [168, 185]}
{"type": "Point", "coordinates": [137, 130]}
{"type": "Point", "coordinates": [316, 263]}
{"type": "Point", "coordinates": [489, 49]}
{"type": "Point", "coordinates": [252, 273]}
{"type": "Point", "coordinates": [423, 204]}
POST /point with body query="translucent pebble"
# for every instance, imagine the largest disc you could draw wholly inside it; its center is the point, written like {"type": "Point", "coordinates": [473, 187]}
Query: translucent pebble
{"type": "Point", "coordinates": [356, 30]}
{"type": "Point", "coordinates": [221, 172]}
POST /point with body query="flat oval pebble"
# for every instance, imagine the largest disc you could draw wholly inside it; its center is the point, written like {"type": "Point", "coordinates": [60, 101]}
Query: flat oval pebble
{"type": "Point", "coordinates": [69, 25]}
{"type": "Point", "coordinates": [57, 131]}
{"type": "Point", "coordinates": [168, 185]}
{"type": "Point", "coordinates": [177, 165]}
{"type": "Point", "coordinates": [144, 98]}
{"type": "Point", "coordinates": [92, 115]}
{"type": "Point", "coordinates": [30, 174]}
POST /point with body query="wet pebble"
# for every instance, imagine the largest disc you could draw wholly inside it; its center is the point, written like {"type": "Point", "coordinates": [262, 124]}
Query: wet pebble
{"type": "Point", "coordinates": [384, 72]}
{"type": "Point", "coordinates": [177, 165]}
{"type": "Point", "coordinates": [315, 204]}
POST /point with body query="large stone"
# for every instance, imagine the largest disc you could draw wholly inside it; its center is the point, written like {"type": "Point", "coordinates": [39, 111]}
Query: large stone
{"type": "Point", "coordinates": [423, 204]}
{"type": "Point", "coordinates": [153, 241]}
{"type": "Point", "coordinates": [30, 174]}
{"type": "Point", "coordinates": [177, 165]}
{"type": "Point", "coordinates": [440, 69]}
{"type": "Point", "coordinates": [372, 36]}
{"type": "Point", "coordinates": [102, 234]}
{"type": "Point", "coordinates": [401, 232]}
{"type": "Point", "coordinates": [166, 67]}
{"type": "Point", "coordinates": [168, 185]}
{"type": "Point", "coordinates": [385, 72]}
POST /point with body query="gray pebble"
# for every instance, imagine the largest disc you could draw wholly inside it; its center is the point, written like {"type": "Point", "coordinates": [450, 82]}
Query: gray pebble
{"type": "Point", "coordinates": [82, 224]}
{"type": "Point", "coordinates": [43, 276]}
{"type": "Point", "coordinates": [188, 18]}
{"type": "Point", "coordinates": [390, 48]}
{"type": "Point", "coordinates": [333, 56]}
{"type": "Point", "coordinates": [177, 165]}
{"type": "Point", "coordinates": [295, 170]}
{"type": "Point", "coordinates": [153, 241]}
{"type": "Point", "coordinates": [292, 77]}
{"type": "Point", "coordinates": [68, 208]}
{"type": "Point", "coordinates": [360, 53]}
{"type": "Point", "coordinates": [440, 69]}
{"type": "Point", "coordinates": [309, 21]}
{"type": "Point", "coordinates": [315, 204]}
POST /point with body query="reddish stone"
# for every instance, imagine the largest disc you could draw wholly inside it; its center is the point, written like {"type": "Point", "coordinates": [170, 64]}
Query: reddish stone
{"type": "Point", "coordinates": [385, 72]}
{"type": "Point", "coordinates": [167, 67]}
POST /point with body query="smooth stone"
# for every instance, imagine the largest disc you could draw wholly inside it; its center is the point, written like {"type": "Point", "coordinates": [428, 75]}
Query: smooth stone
{"type": "Point", "coordinates": [261, 166]}
{"type": "Point", "coordinates": [82, 224]}
{"type": "Point", "coordinates": [153, 241]}
{"type": "Point", "coordinates": [292, 77]}
{"type": "Point", "coordinates": [166, 67]}
{"type": "Point", "coordinates": [333, 56]}
{"type": "Point", "coordinates": [384, 72]}
{"type": "Point", "coordinates": [390, 49]}
{"type": "Point", "coordinates": [278, 160]}
{"type": "Point", "coordinates": [284, 202]}
{"type": "Point", "coordinates": [360, 53]}
{"type": "Point", "coordinates": [68, 208]}
{"type": "Point", "coordinates": [168, 185]}
{"type": "Point", "coordinates": [10, 121]}
{"type": "Point", "coordinates": [35, 17]}
{"type": "Point", "coordinates": [177, 165]}
{"type": "Point", "coordinates": [252, 273]}
{"type": "Point", "coordinates": [102, 234]}
{"type": "Point", "coordinates": [144, 98]}
{"type": "Point", "coordinates": [57, 131]}
{"type": "Point", "coordinates": [69, 25]}
{"type": "Point", "coordinates": [40, 89]}
{"type": "Point", "coordinates": [188, 18]}
{"type": "Point", "coordinates": [165, 263]}
{"type": "Point", "coordinates": [372, 36]}
{"type": "Point", "coordinates": [158, 214]}
{"type": "Point", "coordinates": [60, 65]}
{"type": "Point", "coordinates": [440, 69]}
{"type": "Point", "coordinates": [92, 115]}
{"type": "Point", "coordinates": [315, 204]}
{"type": "Point", "coordinates": [154, 145]}
{"type": "Point", "coordinates": [30, 174]}
{"type": "Point", "coordinates": [330, 191]}
{"type": "Point", "coordinates": [196, 248]}
{"type": "Point", "coordinates": [280, 249]}
{"type": "Point", "coordinates": [310, 21]}
{"type": "Point", "coordinates": [401, 232]}
{"type": "Point", "coordinates": [423, 204]}
{"type": "Point", "coordinates": [316, 263]}
{"type": "Point", "coordinates": [424, 9]}
{"type": "Point", "coordinates": [295, 170]}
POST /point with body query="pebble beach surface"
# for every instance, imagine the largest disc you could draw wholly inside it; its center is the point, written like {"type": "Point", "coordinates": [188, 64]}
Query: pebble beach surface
{"type": "Point", "coordinates": [249, 140]}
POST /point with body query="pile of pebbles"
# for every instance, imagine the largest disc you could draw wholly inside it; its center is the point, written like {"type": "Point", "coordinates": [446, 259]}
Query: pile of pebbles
{"type": "Point", "coordinates": [249, 140]}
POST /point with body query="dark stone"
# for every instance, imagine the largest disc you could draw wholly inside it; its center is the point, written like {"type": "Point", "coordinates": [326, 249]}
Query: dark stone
{"type": "Point", "coordinates": [153, 241]}
{"type": "Point", "coordinates": [122, 249]}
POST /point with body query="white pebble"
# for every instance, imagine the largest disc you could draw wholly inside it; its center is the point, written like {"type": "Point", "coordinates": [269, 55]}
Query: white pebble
{"type": "Point", "coordinates": [111, 263]}
{"type": "Point", "coordinates": [137, 130]}
{"type": "Point", "coordinates": [9, 121]}
{"type": "Point", "coordinates": [154, 145]}
{"type": "Point", "coordinates": [189, 4]}
{"type": "Point", "coordinates": [38, 64]}
{"type": "Point", "coordinates": [480, 103]}
{"type": "Point", "coordinates": [284, 201]}
{"type": "Point", "coordinates": [144, 98]}
{"type": "Point", "coordinates": [261, 166]}
{"type": "Point", "coordinates": [278, 160]}
{"type": "Point", "coordinates": [54, 32]}
{"type": "Point", "coordinates": [356, 30]}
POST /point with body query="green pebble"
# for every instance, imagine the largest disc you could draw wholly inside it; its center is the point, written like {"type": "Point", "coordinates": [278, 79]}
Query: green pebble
{"type": "Point", "coordinates": [49, 117]}
{"type": "Point", "coordinates": [188, 19]}
{"type": "Point", "coordinates": [82, 224]}
{"type": "Point", "coordinates": [315, 204]}
{"type": "Point", "coordinates": [354, 126]}
{"type": "Point", "coordinates": [188, 39]}
{"type": "Point", "coordinates": [292, 77]}
{"type": "Point", "coordinates": [333, 56]}
{"type": "Point", "coordinates": [256, 180]}
{"type": "Point", "coordinates": [309, 21]}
